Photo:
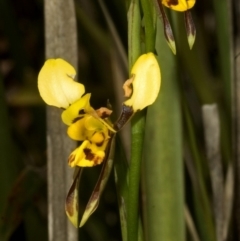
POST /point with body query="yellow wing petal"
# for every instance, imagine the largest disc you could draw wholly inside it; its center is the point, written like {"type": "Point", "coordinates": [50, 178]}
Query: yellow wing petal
{"type": "Point", "coordinates": [77, 109]}
{"type": "Point", "coordinates": [146, 82]}
{"type": "Point", "coordinates": [56, 83]}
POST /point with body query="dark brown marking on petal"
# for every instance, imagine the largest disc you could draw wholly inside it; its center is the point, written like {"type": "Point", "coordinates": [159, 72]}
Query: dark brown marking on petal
{"type": "Point", "coordinates": [127, 113]}
{"type": "Point", "coordinates": [89, 155]}
{"type": "Point", "coordinates": [172, 2]}
{"type": "Point", "coordinates": [81, 112]}
{"type": "Point", "coordinates": [105, 115]}
{"type": "Point", "coordinates": [77, 119]}
{"type": "Point", "coordinates": [97, 160]}
{"type": "Point", "coordinates": [100, 143]}
{"type": "Point", "coordinates": [103, 112]}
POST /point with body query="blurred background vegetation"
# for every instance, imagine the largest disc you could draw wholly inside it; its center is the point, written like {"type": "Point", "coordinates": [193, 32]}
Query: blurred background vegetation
{"type": "Point", "coordinates": [203, 76]}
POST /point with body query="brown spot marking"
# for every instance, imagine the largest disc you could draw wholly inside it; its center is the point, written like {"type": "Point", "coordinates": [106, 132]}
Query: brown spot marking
{"type": "Point", "coordinates": [103, 112]}
{"type": "Point", "coordinates": [97, 160]}
{"type": "Point", "coordinates": [89, 155]}
{"type": "Point", "coordinates": [172, 2]}
{"type": "Point", "coordinates": [127, 86]}
{"type": "Point", "coordinates": [81, 112]}
{"type": "Point", "coordinates": [104, 115]}
{"type": "Point", "coordinates": [77, 119]}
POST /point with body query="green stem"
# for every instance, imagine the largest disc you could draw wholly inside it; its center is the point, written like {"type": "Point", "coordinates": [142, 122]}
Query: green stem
{"type": "Point", "coordinates": [134, 32]}
{"type": "Point", "coordinates": [138, 123]}
{"type": "Point", "coordinates": [121, 177]}
{"type": "Point", "coordinates": [149, 27]}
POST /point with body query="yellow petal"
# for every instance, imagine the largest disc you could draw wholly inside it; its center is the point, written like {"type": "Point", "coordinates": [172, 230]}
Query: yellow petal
{"type": "Point", "coordinates": [87, 155]}
{"type": "Point", "coordinates": [146, 82]}
{"type": "Point", "coordinates": [78, 132]}
{"type": "Point", "coordinates": [179, 5]}
{"type": "Point", "coordinates": [77, 109]}
{"type": "Point", "coordinates": [93, 124]}
{"type": "Point", "coordinates": [85, 127]}
{"type": "Point", "coordinates": [98, 138]}
{"type": "Point", "coordinates": [56, 83]}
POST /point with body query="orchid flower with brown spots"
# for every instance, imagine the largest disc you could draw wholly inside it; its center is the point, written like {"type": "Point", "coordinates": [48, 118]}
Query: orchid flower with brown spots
{"type": "Point", "coordinates": [92, 127]}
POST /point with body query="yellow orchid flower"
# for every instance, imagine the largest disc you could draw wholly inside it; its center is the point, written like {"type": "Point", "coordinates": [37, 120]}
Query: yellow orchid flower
{"type": "Point", "coordinates": [179, 5]}
{"type": "Point", "coordinates": [57, 88]}
{"type": "Point", "coordinates": [142, 88]}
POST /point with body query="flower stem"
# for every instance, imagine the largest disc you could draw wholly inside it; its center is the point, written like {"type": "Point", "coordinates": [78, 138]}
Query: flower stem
{"type": "Point", "coordinates": [149, 26]}
{"type": "Point", "coordinates": [138, 122]}
{"type": "Point", "coordinates": [134, 29]}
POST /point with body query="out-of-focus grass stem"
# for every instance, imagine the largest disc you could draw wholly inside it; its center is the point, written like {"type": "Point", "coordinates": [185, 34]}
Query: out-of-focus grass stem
{"type": "Point", "coordinates": [211, 124]}
{"type": "Point", "coordinates": [204, 218]}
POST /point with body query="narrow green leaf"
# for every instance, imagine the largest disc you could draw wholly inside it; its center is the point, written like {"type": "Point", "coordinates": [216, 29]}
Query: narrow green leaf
{"type": "Point", "coordinates": [202, 207]}
{"type": "Point", "coordinates": [163, 183]}
{"type": "Point", "coordinates": [224, 25]}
